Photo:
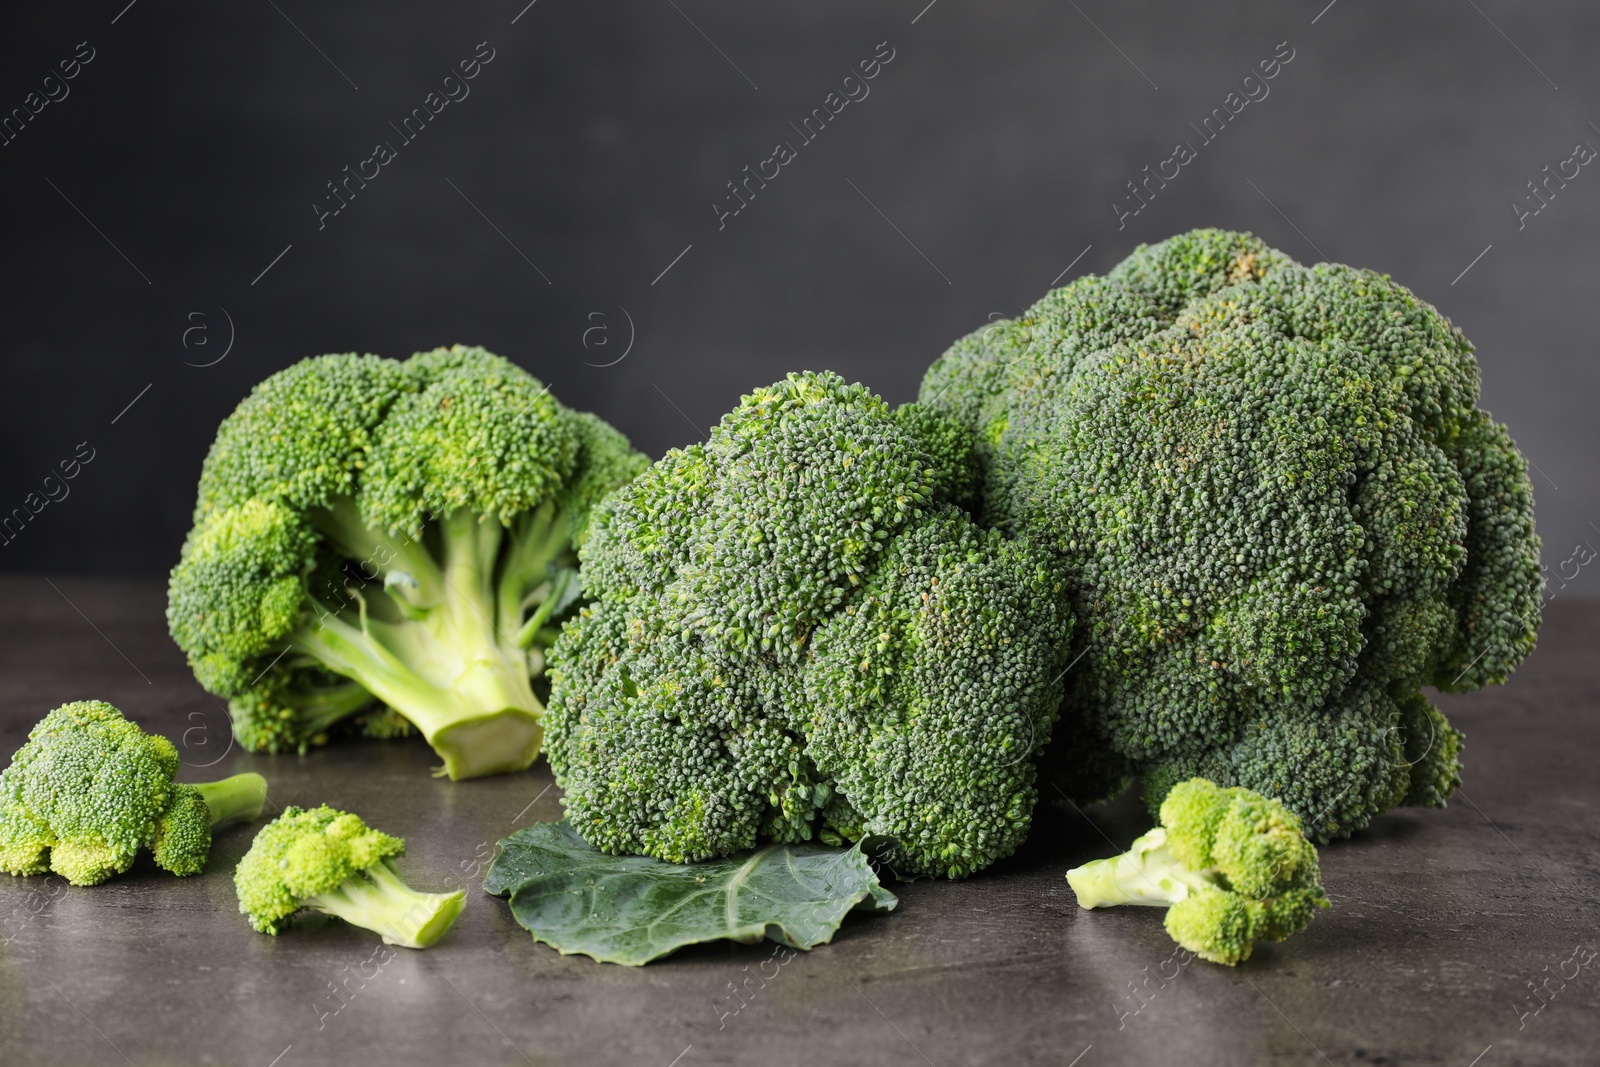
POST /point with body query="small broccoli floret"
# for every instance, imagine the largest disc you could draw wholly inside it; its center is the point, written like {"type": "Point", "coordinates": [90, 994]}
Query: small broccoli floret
{"type": "Point", "coordinates": [331, 861]}
{"type": "Point", "coordinates": [799, 635]}
{"type": "Point", "coordinates": [1279, 511]}
{"type": "Point", "coordinates": [642, 535]}
{"type": "Point", "coordinates": [90, 788]}
{"type": "Point", "coordinates": [1231, 867]}
{"type": "Point", "coordinates": [385, 724]}
{"type": "Point", "coordinates": [957, 472]}
{"type": "Point", "coordinates": [1432, 753]}
{"type": "Point", "coordinates": [369, 530]}
{"type": "Point", "coordinates": [294, 710]}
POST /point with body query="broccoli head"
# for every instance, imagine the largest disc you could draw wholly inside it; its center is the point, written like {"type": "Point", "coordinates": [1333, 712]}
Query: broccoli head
{"type": "Point", "coordinates": [1231, 867]}
{"type": "Point", "coordinates": [90, 788]}
{"type": "Point", "coordinates": [405, 532]}
{"type": "Point", "coordinates": [1280, 513]}
{"type": "Point", "coordinates": [331, 861]}
{"type": "Point", "coordinates": [798, 635]}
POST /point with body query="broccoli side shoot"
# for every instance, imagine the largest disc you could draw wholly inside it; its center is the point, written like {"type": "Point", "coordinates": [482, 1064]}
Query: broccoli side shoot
{"type": "Point", "coordinates": [90, 788]}
{"type": "Point", "coordinates": [406, 533]}
{"type": "Point", "coordinates": [1231, 867]}
{"type": "Point", "coordinates": [331, 861]}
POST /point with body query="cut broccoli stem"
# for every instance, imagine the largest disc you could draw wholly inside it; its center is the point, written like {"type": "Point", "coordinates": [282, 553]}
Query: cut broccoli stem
{"type": "Point", "coordinates": [476, 706]}
{"type": "Point", "coordinates": [1148, 874]}
{"type": "Point", "coordinates": [235, 799]}
{"type": "Point", "coordinates": [378, 900]}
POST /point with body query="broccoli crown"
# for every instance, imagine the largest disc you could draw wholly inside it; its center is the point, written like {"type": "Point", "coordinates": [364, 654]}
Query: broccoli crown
{"type": "Point", "coordinates": [814, 477]}
{"type": "Point", "coordinates": [1231, 867]}
{"type": "Point", "coordinates": [679, 752]}
{"type": "Point", "coordinates": [331, 861]}
{"type": "Point", "coordinates": [475, 432]}
{"type": "Point", "coordinates": [405, 532]}
{"type": "Point", "coordinates": [798, 634]}
{"type": "Point", "coordinates": [300, 435]}
{"type": "Point", "coordinates": [1279, 511]}
{"type": "Point", "coordinates": [90, 788]}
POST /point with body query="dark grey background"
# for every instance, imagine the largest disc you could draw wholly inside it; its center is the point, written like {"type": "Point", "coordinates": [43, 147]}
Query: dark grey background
{"type": "Point", "coordinates": [597, 139]}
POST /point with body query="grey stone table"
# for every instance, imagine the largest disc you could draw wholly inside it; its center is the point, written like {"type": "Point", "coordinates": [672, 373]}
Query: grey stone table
{"type": "Point", "coordinates": [1464, 937]}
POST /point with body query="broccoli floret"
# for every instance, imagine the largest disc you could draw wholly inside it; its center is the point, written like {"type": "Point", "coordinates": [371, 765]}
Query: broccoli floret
{"type": "Point", "coordinates": [90, 788]}
{"type": "Point", "coordinates": [814, 476]}
{"type": "Point", "coordinates": [406, 532]}
{"type": "Point", "coordinates": [330, 861]}
{"type": "Point", "coordinates": [1231, 867]}
{"type": "Point", "coordinates": [955, 455]}
{"type": "Point", "coordinates": [798, 635]}
{"type": "Point", "coordinates": [290, 711]}
{"type": "Point", "coordinates": [1280, 514]}
{"type": "Point", "coordinates": [936, 686]}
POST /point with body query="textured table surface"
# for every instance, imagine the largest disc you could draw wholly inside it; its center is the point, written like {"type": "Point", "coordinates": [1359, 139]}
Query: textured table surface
{"type": "Point", "coordinates": [1462, 937]}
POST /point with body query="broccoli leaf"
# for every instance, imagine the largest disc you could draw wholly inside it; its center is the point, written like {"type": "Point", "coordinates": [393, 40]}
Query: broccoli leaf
{"type": "Point", "coordinates": [566, 588]}
{"type": "Point", "coordinates": [633, 909]}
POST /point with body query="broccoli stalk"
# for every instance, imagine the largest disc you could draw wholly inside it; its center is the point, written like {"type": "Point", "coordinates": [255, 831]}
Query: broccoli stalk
{"type": "Point", "coordinates": [331, 861]}
{"type": "Point", "coordinates": [377, 899]}
{"type": "Point", "coordinates": [235, 799]}
{"type": "Point", "coordinates": [539, 576]}
{"type": "Point", "coordinates": [1148, 874]}
{"type": "Point", "coordinates": [437, 652]}
{"type": "Point", "coordinates": [90, 788]}
{"type": "Point", "coordinates": [1230, 866]}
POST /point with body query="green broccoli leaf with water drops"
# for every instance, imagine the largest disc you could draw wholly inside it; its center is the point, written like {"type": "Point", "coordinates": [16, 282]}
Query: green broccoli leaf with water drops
{"type": "Point", "coordinates": [633, 909]}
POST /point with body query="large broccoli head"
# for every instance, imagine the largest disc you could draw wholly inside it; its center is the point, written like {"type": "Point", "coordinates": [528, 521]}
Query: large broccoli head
{"type": "Point", "coordinates": [1280, 512]}
{"type": "Point", "coordinates": [90, 788]}
{"type": "Point", "coordinates": [404, 532]}
{"type": "Point", "coordinates": [798, 635]}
